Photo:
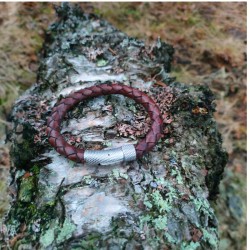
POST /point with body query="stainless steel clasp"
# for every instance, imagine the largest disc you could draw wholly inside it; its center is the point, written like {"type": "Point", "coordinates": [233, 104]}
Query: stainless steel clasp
{"type": "Point", "coordinates": [110, 156]}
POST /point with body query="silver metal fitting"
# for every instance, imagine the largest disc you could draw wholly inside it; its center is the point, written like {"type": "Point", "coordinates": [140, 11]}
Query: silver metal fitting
{"type": "Point", "coordinates": [110, 156]}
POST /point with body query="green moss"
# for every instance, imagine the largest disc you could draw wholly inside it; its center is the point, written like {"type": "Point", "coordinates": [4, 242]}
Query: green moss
{"type": "Point", "coordinates": [20, 213]}
{"type": "Point", "coordinates": [23, 152]}
{"type": "Point", "coordinates": [25, 210]}
{"type": "Point", "coordinates": [35, 170]}
{"type": "Point", "coordinates": [27, 189]}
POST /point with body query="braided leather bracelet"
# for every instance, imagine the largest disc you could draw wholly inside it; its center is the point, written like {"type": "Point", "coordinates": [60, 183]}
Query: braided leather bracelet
{"type": "Point", "coordinates": [109, 156]}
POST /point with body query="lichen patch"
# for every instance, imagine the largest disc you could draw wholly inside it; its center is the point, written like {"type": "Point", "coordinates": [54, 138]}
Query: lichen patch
{"type": "Point", "coordinates": [92, 211]}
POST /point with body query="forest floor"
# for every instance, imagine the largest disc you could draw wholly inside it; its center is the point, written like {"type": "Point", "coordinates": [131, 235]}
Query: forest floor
{"type": "Point", "coordinates": [210, 48]}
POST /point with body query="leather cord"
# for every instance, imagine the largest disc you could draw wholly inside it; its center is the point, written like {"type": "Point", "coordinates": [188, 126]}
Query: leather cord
{"type": "Point", "coordinates": [64, 105]}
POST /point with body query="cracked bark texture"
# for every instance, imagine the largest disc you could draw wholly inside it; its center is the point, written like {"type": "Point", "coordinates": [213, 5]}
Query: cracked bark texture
{"type": "Point", "coordinates": [158, 202]}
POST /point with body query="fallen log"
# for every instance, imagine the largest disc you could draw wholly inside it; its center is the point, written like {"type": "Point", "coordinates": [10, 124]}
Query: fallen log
{"type": "Point", "coordinates": [158, 202]}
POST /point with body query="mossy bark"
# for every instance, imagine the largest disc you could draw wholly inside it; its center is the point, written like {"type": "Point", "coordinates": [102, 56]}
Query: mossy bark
{"type": "Point", "coordinates": [159, 202]}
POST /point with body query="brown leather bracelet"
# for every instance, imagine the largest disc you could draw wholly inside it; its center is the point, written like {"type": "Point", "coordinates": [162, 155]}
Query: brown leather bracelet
{"type": "Point", "coordinates": [80, 155]}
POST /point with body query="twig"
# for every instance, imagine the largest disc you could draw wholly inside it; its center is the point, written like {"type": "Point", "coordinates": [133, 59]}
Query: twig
{"type": "Point", "coordinates": [112, 51]}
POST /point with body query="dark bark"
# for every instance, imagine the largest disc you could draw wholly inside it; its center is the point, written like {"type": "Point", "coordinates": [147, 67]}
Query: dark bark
{"type": "Point", "coordinates": [159, 202]}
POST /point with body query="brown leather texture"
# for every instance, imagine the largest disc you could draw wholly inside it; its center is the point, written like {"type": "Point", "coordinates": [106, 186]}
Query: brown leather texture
{"type": "Point", "coordinates": [69, 102]}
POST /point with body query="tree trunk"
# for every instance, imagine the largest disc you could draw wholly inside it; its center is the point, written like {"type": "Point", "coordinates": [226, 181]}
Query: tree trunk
{"type": "Point", "coordinates": [159, 202]}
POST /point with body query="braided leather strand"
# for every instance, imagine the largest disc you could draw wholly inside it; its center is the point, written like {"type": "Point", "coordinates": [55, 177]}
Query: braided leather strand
{"type": "Point", "coordinates": [67, 103]}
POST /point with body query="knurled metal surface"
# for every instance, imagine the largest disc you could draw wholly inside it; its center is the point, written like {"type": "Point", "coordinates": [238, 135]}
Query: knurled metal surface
{"type": "Point", "coordinates": [111, 156]}
{"type": "Point", "coordinates": [65, 104]}
{"type": "Point", "coordinates": [129, 152]}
